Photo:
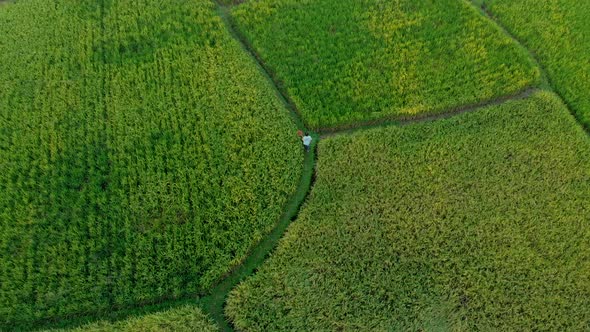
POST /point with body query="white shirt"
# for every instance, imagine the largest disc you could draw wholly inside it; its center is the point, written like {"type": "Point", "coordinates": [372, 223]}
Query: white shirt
{"type": "Point", "coordinates": [306, 140]}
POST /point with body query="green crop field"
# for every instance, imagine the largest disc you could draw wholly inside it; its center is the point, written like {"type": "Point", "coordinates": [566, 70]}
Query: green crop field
{"type": "Point", "coordinates": [477, 223]}
{"type": "Point", "coordinates": [184, 319]}
{"type": "Point", "coordinates": [152, 174]}
{"type": "Point", "coordinates": [345, 61]}
{"type": "Point", "coordinates": [558, 33]}
{"type": "Point", "coordinates": [142, 154]}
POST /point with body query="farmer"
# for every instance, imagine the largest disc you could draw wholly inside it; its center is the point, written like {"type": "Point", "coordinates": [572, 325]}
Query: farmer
{"type": "Point", "coordinates": [306, 141]}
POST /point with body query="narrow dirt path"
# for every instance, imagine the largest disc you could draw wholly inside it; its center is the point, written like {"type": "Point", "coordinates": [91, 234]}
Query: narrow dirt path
{"type": "Point", "coordinates": [433, 117]}
{"type": "Point", "coordinates": [214, 303]}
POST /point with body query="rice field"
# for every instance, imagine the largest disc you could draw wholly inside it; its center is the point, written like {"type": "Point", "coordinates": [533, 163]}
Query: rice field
{"type": "Point", "coordinates": [348, 62]}
{"type": "Point", "coordinates": [142, 154]}
{"type": "Point", "coordinates": [149, 148]}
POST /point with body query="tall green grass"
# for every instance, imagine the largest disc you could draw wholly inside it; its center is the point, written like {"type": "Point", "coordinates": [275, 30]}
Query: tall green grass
{"type": "Point", "coordinates": [478, 222]}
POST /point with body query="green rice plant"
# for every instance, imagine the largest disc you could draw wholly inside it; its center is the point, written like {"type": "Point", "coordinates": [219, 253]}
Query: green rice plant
{"type": "Point", "coordinates": [187, 318]}
{"type": "Point", "coordinates": [142, 154]}
{"type": "Point", "coordinates": [347, 61]}
{"type": "Point", "coordinates": [479, 222]}
{"type": "Point", "coordinates": [558, 33]}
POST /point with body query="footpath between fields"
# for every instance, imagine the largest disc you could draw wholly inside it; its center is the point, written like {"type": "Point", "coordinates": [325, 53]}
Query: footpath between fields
{"type": "Point", "coordinates": [214, 303]}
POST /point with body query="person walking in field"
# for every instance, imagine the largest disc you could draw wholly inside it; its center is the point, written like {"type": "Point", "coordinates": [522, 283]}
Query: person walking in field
{"type": "Point", "coordinates": [306, 142]}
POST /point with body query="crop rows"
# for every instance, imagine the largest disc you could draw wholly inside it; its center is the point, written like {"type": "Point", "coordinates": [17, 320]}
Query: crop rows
{"type": "Point", "coordinates": [142, 155]}
{"type": "Point", "coordinates": [344, 62]}
{"type": "Point", "coordinates": [558, 33]}
{"type": "Point", "coordinates": [52, 161]}
{"type": "Point", "coordinates": [476, 222]}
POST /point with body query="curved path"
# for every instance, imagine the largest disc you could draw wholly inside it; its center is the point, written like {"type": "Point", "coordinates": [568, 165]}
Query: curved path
{"type": "Point", "coordinates": [214, 303]}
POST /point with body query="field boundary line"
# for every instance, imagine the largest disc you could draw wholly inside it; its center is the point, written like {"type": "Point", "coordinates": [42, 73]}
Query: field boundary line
{"type": "Point", "coordinates": [546, 82]}
{"type": "Point", "coordinates": [487, 14]}
{"type": "Point", "coordinates": [448, 113]}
